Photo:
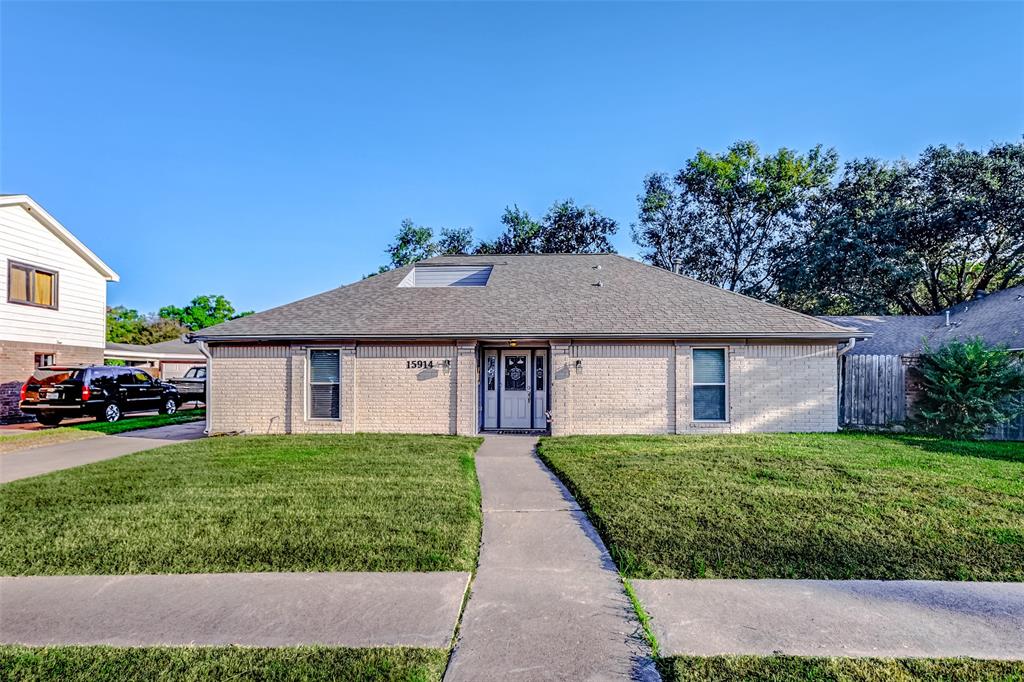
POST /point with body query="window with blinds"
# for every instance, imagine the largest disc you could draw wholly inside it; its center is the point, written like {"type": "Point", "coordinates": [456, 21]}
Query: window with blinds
{"type": "Point", "coordinates": [709, 384]}
{"type": "Point", "coordinates": [29, 285]}
{"type": "Point", "coordinates": [324, 384]}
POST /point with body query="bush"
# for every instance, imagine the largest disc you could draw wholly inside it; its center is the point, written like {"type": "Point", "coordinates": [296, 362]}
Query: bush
{"type": "Point", "coordinates": [969, 387]}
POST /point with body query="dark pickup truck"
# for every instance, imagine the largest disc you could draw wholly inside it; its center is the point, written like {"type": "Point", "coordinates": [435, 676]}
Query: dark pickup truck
{"type": "Point", "coordinates": [192, 386]}
{"type": "Point", "coordinates": [107, 393]}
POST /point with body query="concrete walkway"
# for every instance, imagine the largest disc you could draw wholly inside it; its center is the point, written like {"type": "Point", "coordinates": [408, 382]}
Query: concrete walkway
{"type": "Point", "coordinates": [43, 460]}
{"type": "Point", "coordinates": [547, 602]}
{"type": "Point", "coordinates": [836, 617]}
{"type": "Point", "coordinates": [250, 609]}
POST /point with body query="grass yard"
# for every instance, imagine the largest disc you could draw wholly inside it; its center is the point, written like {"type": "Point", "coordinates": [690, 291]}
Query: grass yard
{"type": "Point", "coordinates": [794, 668]}
{"type": "Point", "coordinates": [14, 440]}
{"type": "Point", "coordinates": [252, 503]}
{"type": "Point", "coordinates": [199, 664]}
{"type": "Point", "coordinates": [839, 506]}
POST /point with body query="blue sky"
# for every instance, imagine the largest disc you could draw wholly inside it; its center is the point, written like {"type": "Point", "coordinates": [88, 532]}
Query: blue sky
{"type": "Point", "coordinates": [276, 147]}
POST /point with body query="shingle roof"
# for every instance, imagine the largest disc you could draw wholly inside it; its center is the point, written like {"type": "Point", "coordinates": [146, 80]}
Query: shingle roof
{"type": "Point", "coordinates": [891, 334]}
{"type": "Point", "coordinates": [172, 347]}
{"type": "Point", "coordinates": [530, 296]}
{"type": "Point", "coordinates": [997, 318]}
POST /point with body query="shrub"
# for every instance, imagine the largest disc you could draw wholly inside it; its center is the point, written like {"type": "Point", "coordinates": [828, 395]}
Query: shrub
{"type": "Point", "coordinates": [969, 387]}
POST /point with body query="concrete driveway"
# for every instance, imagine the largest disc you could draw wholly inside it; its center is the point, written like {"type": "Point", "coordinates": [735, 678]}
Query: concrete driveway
{"type": "Point", "coordinates": [43, 460]}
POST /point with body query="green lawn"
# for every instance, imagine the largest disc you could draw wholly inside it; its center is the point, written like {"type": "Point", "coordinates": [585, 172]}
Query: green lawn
{"type": "Point", "coordinates": [20, 440]}
{"type": "Point", "coordinates": [199, 664]}
{"type": "Point", "coordinates": [794, 668]}
{"type": "Point", "coordinates": [252, 503]}
{"type": "Point", "coordinates": [838, 506]}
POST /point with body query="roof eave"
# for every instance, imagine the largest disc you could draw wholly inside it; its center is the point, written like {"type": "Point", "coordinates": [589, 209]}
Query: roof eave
{"type": "Point", "coordinates": [61, 232]}
{"type": "Point", "coordinates": [823, 336]}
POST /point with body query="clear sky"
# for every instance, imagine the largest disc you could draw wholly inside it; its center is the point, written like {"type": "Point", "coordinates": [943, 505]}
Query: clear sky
{"type": "Point", "coordinates": [269, 151]}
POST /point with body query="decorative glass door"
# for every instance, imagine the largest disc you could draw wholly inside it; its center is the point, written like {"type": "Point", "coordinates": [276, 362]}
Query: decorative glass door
{"type": "Point", "coordinates": [516, 391]}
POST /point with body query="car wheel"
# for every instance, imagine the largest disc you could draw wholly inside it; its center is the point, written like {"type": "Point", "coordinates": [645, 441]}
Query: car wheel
{"type": "Point", "coordinates": [47, 419]}
{"type": "Point", "coordinates": [170, 406]}
{"type": "Point", "coordinates": [111, 413]}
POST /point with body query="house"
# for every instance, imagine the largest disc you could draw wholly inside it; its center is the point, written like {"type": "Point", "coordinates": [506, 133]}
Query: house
{"type": "Point", "coordinates": [55, 297]}
{"type": "Point", "coordinates": [575, 343]}
{"type": "Point", "coordinates": [877, 384]}
{"type": "Point", "coordinates": [166, 359]}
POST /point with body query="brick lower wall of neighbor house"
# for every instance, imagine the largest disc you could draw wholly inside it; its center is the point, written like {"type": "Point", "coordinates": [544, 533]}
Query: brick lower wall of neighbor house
{"type": "Point", "coordinates": [595, 388]}
{"type": "Point", "coordinates": [17, 360]}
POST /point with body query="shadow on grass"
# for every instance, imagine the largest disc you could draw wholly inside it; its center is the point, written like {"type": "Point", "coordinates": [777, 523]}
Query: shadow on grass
{"type": "Point", "coordinates": [1004, 451]}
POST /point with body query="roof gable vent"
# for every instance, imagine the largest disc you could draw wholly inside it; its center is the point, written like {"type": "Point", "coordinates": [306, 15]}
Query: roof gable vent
{"type": "Point", "coordinates": [447, 276]}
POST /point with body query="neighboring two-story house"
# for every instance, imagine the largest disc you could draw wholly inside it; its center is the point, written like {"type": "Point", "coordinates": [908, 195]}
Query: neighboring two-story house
{"type": "Point", "coordinates": [53, 298]}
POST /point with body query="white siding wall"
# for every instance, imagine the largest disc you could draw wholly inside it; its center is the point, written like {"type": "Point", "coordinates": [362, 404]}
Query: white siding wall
{"type": "Point", "coordinates": [80, 319]}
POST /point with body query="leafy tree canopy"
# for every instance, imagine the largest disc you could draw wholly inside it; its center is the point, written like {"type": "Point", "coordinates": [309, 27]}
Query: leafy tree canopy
{"type": "Point", "coordinates": [202, 311]}
{"type": "Point", "coordinates": [416, 242]}
{"type": "Point", "coordinates": [731, 218]}
{"type": "Point", "coordinates": [127, 325]}
{"type": "Point", "coordinates": [565, 228]}
{"type": "Point", "coordinates": [913, 237]}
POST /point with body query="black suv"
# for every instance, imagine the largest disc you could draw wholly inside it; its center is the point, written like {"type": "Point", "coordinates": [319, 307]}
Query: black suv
{"type": "Point", "coordinates": [53, 393]}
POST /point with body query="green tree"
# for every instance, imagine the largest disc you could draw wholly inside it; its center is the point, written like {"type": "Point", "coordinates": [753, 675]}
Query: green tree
{"type": "Point", "coordinates": [202, 311]}
{"type": "Point", "coordinates": [565, 228]}
{"type": "Point", "coordinates": [731, 218]}
{"type": "Point", "coordinates": [913, 238]}
{"type": "Point", "coordinates": [416, 242]}
{"type": "Point", "coordinates": [968, 387]}
{"type": "Point", "coordinates": [127, 325]}
{"type": "Point", "coordinates": [124, 325]}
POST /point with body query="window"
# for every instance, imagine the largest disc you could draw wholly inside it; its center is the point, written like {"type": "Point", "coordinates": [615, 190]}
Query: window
{"type": "Point", "coordinates": [492, 370]}
{"type": "Point", "coordinates": [44, 360]}
{"type": "Point", "coordinates": [141, 377]}
{"type": "Point", "coordinates": [324, 384]}
{"type": "Point", "coordinates": [540, 373]}
{"type": "Point", "coordinates": [29, 285]}
{"type": "Point", "coordinates": [709, 384]}
{"type": "Point", "coordinates": [515, 373]}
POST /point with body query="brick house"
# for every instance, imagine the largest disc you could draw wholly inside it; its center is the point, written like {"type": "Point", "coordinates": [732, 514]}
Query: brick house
{"type": "Point", "coordinates": [572, 343]}
{"type": "Point", "coordinates": [54, 301]}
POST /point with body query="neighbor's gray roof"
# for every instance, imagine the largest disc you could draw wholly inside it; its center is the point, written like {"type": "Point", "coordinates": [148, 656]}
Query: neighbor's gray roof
{"type": "Point", "coordinates": [891, 334]}
{"type": "Point", "coordinates": [172, 347]}
{"type": "Point", "coordinates": [998, 318]}
{"type": "Point", "coordinates": [529, 296]}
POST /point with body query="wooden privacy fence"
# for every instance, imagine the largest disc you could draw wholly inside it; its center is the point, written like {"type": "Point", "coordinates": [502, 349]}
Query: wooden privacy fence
{"type": "Point", "coordinates": [872, 390]}
{"type": "Point", "coordinates": [873, 393]}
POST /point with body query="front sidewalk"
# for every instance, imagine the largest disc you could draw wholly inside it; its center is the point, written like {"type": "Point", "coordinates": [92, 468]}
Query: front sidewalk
{"type": "Point", "coordinates": [547, 603]}
{"type": "Point", "coordinates": [872, 618]}
{"type": "Point", "coordinates": [249, 609]}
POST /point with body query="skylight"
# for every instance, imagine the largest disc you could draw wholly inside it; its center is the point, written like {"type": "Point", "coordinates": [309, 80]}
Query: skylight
{"type": "Point", "coordinates": [447, 276]}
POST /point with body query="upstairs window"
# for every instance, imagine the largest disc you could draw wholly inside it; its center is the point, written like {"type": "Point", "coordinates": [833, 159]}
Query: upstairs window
{"type": "Point", "coordinates": [324, 384]}
{"type": "Point", "coordinates": [709, 384]}
{"type": "Point", "coordinates": [29, 285]}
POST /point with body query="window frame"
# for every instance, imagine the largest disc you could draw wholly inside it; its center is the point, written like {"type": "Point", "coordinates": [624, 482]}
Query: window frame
{"type": "Point", "coordinates": [310, 384]}
{"type": "Point", "coordinates": [38, 356]}
{"type": "Point", "coordinates": [694, 385]}
{"type": "Point", "coordinates": [31, 285]}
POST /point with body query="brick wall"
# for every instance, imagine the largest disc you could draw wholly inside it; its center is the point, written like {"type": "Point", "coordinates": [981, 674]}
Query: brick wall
{"type": "Point", "coordinates": [17, 362]}
{"type": "Point", "coordinates": [389, 396]}
{"type": "Point", "coordinates": [645, 388]}
{"type": "Point", "coordinates": [622, 388]}
{"type": "Point", "coordinates": [617, 388]}
{"type": "Point", "coordinates": [250, 389]}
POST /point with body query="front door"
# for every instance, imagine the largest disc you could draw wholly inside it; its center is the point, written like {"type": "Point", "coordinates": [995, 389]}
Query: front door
{"type": "Point", "coordinates": [515, 389]}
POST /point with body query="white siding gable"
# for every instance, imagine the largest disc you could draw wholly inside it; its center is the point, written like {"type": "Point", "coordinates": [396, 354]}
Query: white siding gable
{"type": "Point", "coordinates": [80, 318]}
